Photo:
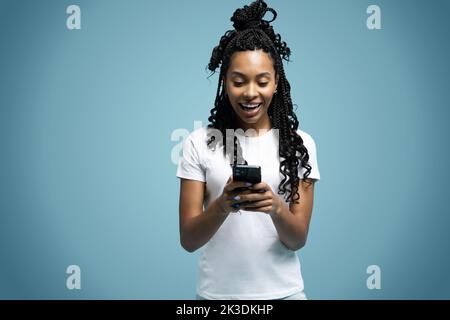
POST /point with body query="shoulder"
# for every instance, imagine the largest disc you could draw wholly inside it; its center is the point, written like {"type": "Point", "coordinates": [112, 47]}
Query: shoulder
{"type": "Point", "coordinates": [198, 134]}
{"type": "Point", "coordinates": [198, 137]}
{"type": "Point", "coordinates": [198, 140]}
{"type": "Point", "coordinates": [308, 140]}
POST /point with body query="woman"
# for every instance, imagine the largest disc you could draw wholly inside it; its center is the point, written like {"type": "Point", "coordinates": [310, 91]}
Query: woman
{"type": "Point", "coordinates": [249, 232]}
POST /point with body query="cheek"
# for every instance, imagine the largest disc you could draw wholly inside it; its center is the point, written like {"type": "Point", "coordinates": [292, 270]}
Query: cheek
{"type": "Point", "coordinates": [234, 93]}
{"type": "Point", "coordinates": [268, 96]}
{"type": "Point", "coordinates": [268, 91]}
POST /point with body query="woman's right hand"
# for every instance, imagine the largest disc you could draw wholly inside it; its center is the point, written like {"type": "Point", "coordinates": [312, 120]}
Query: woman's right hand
{"type": "Point", "coordinates": [227, 201]}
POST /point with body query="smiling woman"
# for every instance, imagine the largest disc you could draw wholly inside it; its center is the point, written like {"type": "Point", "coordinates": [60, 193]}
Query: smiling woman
{"type": "Point", "coordinates": [250, 255]}
{"type": "Point", "coordinates": [249, 90]}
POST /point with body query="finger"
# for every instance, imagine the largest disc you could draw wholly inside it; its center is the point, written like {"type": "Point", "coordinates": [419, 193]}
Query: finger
{"type": "Point", "coordinates": [254, 196]}
{"type": "Point", "coordinates": [234, 193]}
{"type": "Point", "coordinates": [257, 204]}
{"type": "Point", "coordinates": [267, 209]}
{"type": "Point", "coordinates": [236, 184]}
{"type": "Point", "coordinates": [235, 207]}
{"type": "Point", "coordinates": [230, 204]}
{"type": "Point", "coordinates": [261, 186]}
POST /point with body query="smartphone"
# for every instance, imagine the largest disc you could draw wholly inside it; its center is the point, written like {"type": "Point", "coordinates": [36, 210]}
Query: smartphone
{"type": "Point", "coordinates": [247, 173]}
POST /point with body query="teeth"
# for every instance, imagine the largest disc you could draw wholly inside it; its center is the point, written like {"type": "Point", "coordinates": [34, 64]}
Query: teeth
{"type": "Point", "coordinates": [250, 106]}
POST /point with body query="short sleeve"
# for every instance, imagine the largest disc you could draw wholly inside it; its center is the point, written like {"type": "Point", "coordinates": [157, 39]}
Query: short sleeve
{"type": "Point", "coordinates": [190, 164]}
{"type": "Point", "coordinates": [310, 145]}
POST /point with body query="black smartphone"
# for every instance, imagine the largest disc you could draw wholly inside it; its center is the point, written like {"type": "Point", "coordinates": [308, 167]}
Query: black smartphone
{"type": "Point", "coordinates": [247, 173]}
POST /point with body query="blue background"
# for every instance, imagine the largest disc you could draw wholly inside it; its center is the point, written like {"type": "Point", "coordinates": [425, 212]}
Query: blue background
{"type": "Point", "coordinates": [86, 119]}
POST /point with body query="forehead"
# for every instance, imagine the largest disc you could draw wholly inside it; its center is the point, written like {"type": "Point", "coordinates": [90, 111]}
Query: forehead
{"type": "Point", "coordinates": [251, 62]}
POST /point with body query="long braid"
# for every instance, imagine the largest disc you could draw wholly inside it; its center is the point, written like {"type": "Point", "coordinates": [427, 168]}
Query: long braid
{"type": "Point", "coordinates": [252, 32]}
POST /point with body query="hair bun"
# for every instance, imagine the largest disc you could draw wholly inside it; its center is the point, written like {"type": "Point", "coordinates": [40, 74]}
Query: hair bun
{"type": "Point", "coordinates": [251, 16]}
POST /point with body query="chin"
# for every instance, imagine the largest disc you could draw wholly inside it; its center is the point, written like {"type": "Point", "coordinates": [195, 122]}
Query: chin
{"type": "Point", "coordinates": [247, 120]}
{"type": "Point", "coordinates": [252, 120]}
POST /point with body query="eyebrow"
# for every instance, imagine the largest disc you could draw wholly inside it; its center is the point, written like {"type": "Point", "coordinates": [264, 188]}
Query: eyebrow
{"type": "Point", "coordinates": [243, 75]}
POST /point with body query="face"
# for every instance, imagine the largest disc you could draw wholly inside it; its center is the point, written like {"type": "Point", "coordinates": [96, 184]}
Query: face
{"type": "Point", "coordinates": [250, 84]}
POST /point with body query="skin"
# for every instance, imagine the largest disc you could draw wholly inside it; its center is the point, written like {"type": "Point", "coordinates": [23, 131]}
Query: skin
{"type": "Point", "coordinates": [251, 79]}
{"type": "Point", "coordinates": [291, 221]}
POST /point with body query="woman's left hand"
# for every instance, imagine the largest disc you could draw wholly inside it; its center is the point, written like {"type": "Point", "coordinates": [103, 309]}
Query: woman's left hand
{"type": "Point", "coordinates": [262, 198]}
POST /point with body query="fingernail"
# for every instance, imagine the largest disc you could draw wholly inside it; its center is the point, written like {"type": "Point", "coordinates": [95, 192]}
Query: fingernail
{"type": "Point", "coordinates": [248, 184]}
{"type": "Point", "coordinates": [236, 198]}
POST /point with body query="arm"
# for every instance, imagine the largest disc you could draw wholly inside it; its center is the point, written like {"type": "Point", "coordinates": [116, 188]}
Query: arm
{"type": "Point", "coordinates": [292, 223]}
{"type": "Point", "coordinates": [196, 226]}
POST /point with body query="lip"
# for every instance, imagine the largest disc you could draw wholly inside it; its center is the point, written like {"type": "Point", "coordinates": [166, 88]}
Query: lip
{"type": "Point", "coordinates": [251, 113]}
{"type": "Point", "coordinates": [250, 102]}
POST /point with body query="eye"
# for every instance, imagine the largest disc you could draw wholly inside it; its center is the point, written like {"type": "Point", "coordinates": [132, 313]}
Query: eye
{"type": "Point", "coordinates": [238, 84]}
{"type": "Point", "coordinates": [263, 84]}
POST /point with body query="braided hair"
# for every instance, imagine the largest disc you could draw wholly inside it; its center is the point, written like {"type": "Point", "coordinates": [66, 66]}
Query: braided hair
{"type": "Point", "coordinates": [252, 32]}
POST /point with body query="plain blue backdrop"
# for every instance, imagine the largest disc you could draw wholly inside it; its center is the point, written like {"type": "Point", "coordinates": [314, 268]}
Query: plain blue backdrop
{"type": "Point", "coordinates": [86, 123]}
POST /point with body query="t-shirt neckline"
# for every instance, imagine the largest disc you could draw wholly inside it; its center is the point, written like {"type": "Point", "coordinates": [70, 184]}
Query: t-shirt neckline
{"type": "Point", "coordinates": [265, 133]}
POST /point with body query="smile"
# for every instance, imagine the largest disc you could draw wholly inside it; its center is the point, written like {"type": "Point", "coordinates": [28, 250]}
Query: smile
{"type": "Point", "coordinates": [250, 110]}
{"type": "Point", "coordinates": [249, 106]}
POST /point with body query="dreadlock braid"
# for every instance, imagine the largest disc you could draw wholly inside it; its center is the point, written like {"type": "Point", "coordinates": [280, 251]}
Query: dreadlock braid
{"type": "Point", "coordinates": [251, 33]}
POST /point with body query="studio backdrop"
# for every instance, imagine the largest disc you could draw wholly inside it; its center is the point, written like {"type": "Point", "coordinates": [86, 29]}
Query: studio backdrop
{"type": "Point", "coordinates": [96, 98]}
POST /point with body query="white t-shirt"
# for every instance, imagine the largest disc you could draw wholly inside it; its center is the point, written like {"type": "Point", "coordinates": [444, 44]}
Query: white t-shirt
{"type": "Point", "coordinates": [245, 258]}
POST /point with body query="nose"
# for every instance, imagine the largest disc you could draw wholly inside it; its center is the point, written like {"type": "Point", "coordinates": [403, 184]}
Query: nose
{"type": "Point", "coordinates": [251, 92]}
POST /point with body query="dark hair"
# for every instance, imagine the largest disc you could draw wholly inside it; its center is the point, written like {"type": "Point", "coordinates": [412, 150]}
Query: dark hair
{"type": "Point", "coordinates": [251, 32]}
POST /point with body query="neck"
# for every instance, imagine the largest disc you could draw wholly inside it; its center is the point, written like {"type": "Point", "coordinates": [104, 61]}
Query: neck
{"type": "Point", "coordinates": [259, 127]}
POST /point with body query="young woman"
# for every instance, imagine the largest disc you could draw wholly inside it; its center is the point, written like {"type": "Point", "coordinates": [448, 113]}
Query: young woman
{"type": "Point", "coordinates": [249, 232]}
